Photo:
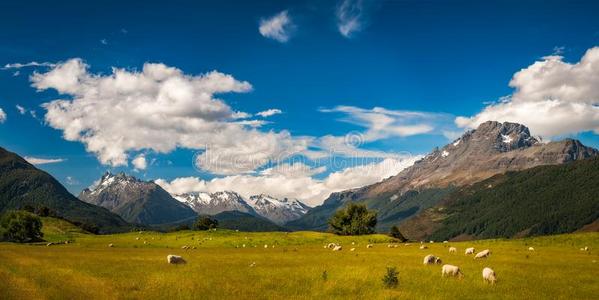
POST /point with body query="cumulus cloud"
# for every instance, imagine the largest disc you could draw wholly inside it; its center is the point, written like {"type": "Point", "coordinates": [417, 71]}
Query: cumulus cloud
{"type": "Point", "coordinates": [139, 162]}
{"type": "Point", "coordinates": [277, 27]}
{"type": "Point", "coordinates": [158, 108]}
{"type": "Point", "coordinates": [351, 16]}
{"type": "Point", "coordinates": [29, 64]}
{"type": "Point", "coordinates": [292, 181]}
{"type": "Point", "coordinates": [269, 112]}
{"type": "Point", "coordinates": [43, 161]}
{"type": "Point", "coordinates": [2, 116]}
{"type": "Point", "coordinates": [552, 97]}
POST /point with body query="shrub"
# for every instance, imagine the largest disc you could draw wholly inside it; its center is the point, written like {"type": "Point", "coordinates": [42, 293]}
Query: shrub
{"type": "Point", "coordinates": [20, 227]}
{"type": "Point", "coordinates": [43, 211]}
{"type": "Point", "coordinates": [205, 223]}
{"type": "Point", "coordinates": [354, 219]}
{"type": "Point", "coordinates": [390, 279]}
{"type": "Point", "coordinates": [395, 233]}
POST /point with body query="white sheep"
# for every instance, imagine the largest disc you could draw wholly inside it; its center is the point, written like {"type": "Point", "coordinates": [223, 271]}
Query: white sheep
{"type": "Point", "coordinates": [352, 249]}
{"type": "Point", "coordinates": [489, 275]}
{"type": "Point", "coordinates": [422, 247]}
{"type": "Point", "coordinates": [337, 248]}
{"type": "Point", "coordinates": [369, 246]}
{"type": "Point", "coordinates": [584, 249]}
{"type": "Point", "coordinates": [453, 250]}
{"type": "Point", "coordinates": [110, 245]}
{"type": "Point", "coordinates": [531, 249]}
{"type": "Point", "coordinates": [331, 245]}
{"type": "Point", "coordinates": [469, 251]}
{"type": "Point", "coordinates": [483, 254]}
{"type": "Point", "coordinates": [431, 259]}
{"type": "Point", "coordinates": [175, 259]}
{"type": "Point", "coordinates": [451, 270]}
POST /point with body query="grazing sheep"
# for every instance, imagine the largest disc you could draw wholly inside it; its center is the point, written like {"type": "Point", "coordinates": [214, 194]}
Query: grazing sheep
{"type": "Point", "coordinates": [445, 242]}
{"type": "Point", "coordinates": [175, 259]}
{"type": "Point", "coordinates": [185, 247]}
{"type": "Point", "coordinates": [422, 247]}
{"type": "Point", "coordinates": [352, 249]}
{"type": "Point", "coordinates": [469, 251]}
{"type": "Point", "coordinates": [584, 249]}
{"type": "Point", "coordinates": [482, 254]}
{"type": "Point", "coordinates": [369, 246]}
{"type": "Point", "coordinates": [243, 246]}
{"type": "Point", "coordinates": [253, 264]}
{"type": "Point", "coordinates": [49, 244]}
{"type": "Point", "coordinates": [451, 270]}
{"type": "Point", "coordinates": [406, 244]}
{"type": "Point", "coordinates": [489, 275]}
{"type": "Point", "coordinates": [265, 246]}
{"type": "Point", "coordinates": [453, 250]}
{"type": "Point", "coordinates": [431, 259]}
{"type": "Point", "coordinates": [432, 242]}
{"type": "Point", "coordinates": [531, 249]}
{"type": "Point", "coordinates": [352, 243]}
{"type": "Point", "coordinates": [337, 248]}
{"type": "Point", "coordinates": [332, 245]}
{"type": "Point", "coordinates": [137, 238]}
{"type": "Point", "coordinates": [110, 245]}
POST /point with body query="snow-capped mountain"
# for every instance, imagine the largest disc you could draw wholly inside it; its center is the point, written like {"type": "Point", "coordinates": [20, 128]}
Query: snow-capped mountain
{"type": "Point", "coordinates": [214, 203]}
{"type": "Point", "coordinates": [135, 200]}
{"type": "Point", "coordinates": [279, 211]}
{"type": "Point", "coordinates": [276, 210]}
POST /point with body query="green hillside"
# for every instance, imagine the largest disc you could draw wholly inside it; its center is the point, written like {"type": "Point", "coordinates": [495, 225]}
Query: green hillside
{"type": "Point", "coordinates": [538, 201]}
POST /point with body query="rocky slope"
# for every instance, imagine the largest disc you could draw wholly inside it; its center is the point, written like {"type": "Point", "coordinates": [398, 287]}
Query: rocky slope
{"type": "Point", "coordinates": [493, 148]}
{"type": "Point", "coordinates": [22, 184]}
{"type": "Point", "coordinates": [136, 201]}
{"type": "Point", "coordinates": [278, 211]}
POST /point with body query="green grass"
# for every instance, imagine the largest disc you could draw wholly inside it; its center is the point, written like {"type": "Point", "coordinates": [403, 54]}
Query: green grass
{"type": "Point", "coordinates": [89, 269]}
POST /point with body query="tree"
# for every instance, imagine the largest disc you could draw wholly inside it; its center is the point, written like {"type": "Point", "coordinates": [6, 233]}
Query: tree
{"type": "Point", "coordinates": [21, 227]}
{"type": "Point", "coordinates": [43, 211]}
{"type": "Point", "coordinates": [354, 219]}
{"type": "Point", "coordinates": [205, 223]}
{"type": "Point", "coordinates": [395, 233]}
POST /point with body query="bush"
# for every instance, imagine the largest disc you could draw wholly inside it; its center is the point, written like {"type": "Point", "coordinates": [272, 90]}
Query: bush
{"type": "Point", "coordinates": [354, 219]}
{"type": "Point", "coordinates": [205, 223]}
{"type": "Point", "coordinates": [20, 227]}
{"type": "Point", "coordinates": [395, 233]}
{"type": "Point", "coordinates": [180, 228]}
{"type": "Point", "coordinates": [390, 279]}
{"type": "Point", "coordinates": [43, 211]}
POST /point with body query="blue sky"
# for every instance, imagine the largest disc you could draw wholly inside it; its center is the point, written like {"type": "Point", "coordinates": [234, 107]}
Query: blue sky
{"type": "Point", "coordinates": [328, 65]}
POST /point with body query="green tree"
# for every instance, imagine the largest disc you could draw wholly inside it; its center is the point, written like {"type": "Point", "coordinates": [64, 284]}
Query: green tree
{"type": "Point", "coordinates": [205, 223]}
{"type": "Point", "coordinates": [395, 233]}
{"type": "Point", "coordinates": [21, 227]}
{"type": "Point", "coordinates": [354, 219]}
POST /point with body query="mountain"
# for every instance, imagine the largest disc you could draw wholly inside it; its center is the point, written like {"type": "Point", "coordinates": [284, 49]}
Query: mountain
{"type": "Point", "coordinates": [278, 211]}
{"type": "Point", "coordinates": [236, 220]}
{"type": "Point", "coordinates": [493, 148]}
{"type": "Point", "coordinates": [136, 201]}
{"type": "Point", "coordinates": [22, 184]}
{"type": "Point", "coordinates": [214, 203]}
{"type": "Point", "coordinates": [538, 201]}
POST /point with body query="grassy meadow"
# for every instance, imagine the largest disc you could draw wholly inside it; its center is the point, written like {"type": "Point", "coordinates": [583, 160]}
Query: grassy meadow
{"type": "Point", "coordinates": [291, 267]}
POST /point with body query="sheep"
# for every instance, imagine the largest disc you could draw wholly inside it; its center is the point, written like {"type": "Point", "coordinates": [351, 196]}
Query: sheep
{"type": "Point", "coordinates": [265, 246]}
{"type": "Point", "coordinates": [432, 242]}
{"type": "Point", "coordinates": [175, 259]}
{"type": "Point", "coordinates": [49, 244]}
{"type": "Point", "coordinates": [584, 249]}
{"type": "Point", "coordinates": [445, 242]}
{"type": "Point", "coordinates": [352, 249]}
{"type": "Point", "coordinates": [110, 245]}
{"type": "Point", "coordinates": [482, 254]}
{"type": "Point", "coordinates": [453, 250]}
{"type": "Point", "coordinates": [469, 251]}
{"type": "Point", "coordinates": [332, 245]}
{"type": "Point", "coordinates": [431, 259]}
{"type": "Point", "coordinates": [369, 246]}
{"type": "Point", "coordinates": [337, 248]}
{"type": "Point", "coordinates": [422, 247]}
{"type": "Point", "coordinates": [406, 244]}
{"type": "Point", "coordinates": [253, 264]}
{"type": "Point", "coordinates": [531, 249]}
{"type": "Point", "coordinates": [451, 270]}
{"type": "Point", "coordinates": [489, 275]}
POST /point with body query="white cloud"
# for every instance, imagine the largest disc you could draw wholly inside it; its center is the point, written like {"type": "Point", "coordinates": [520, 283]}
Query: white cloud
{"type": "Point", "coordinates": [552, 97]}
{"type": "Point", "coordinates": [351, 17]}
{"type": "Point", "coordinates": [104, 41]}
{"type": "Point", "coordinates": [292, 181]}
{"type": "Point", "coordinates": [22, 110]}
{"type": "Point", "coordinates": [269, 112]}
{"type": "Point", "coordinates": [277, 27]}
{"type": "Point", "coordinates": [43, 161]}
{"type": "Point", "coordinates": [2, 116]}
{"type": "Point", "coordinates": [70, 180]}
{"type": "Point", "coordinates": [159, 108]}
{"type": "Point", "coordinates": [139, 162]}
{"type": "Point", "coordinates": [29, 64]}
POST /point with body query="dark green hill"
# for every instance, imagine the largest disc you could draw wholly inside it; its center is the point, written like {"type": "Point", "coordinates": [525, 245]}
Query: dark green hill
{"type": "Point", "coordinates": [22, 184]}
{"type": "Point", "coordinates": [538, 201]}
{"type": "Point", "coordinates": [237, 220]}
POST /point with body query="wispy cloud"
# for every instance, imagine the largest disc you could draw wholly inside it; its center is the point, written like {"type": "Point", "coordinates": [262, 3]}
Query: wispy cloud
{"type": "Point", "coordinates": [43, 161]}
{"type": "Point", "coordinates": [277, 27]}
{"type": "Point", "coordinates": [104, 41]}
{"type": "Point", "coordinates": [2, 116]}
{"type": "Point", "coordinates": [22, 110]}
{"type": "Point", "coordinates": [29, 64]}
{"type": "Point", "coordinates": [269, 112]}
{"type": "Point", "coordinates": [351, 16]}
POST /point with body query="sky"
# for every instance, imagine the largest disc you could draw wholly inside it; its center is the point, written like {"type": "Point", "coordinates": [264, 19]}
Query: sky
{"type": "Point", "coordinates": [289, 98]}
